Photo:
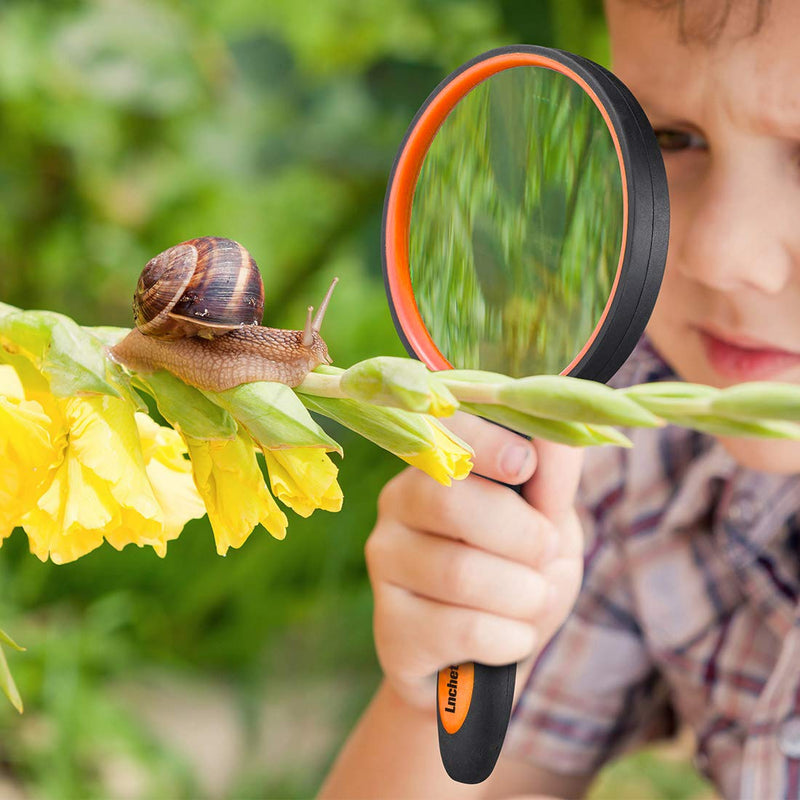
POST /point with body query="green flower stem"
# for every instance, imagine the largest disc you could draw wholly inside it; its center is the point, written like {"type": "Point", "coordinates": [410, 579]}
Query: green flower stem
{"type": "Point", "coordinates": [321, 385]}
{"type": "Point", "coordinates": [485, 393]}
{"type": "Point", "coordinates": [564, 409]}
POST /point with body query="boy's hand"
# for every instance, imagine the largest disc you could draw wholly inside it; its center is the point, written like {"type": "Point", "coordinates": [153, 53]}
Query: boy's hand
{"type": "Point", "coordinates": [474, 572]}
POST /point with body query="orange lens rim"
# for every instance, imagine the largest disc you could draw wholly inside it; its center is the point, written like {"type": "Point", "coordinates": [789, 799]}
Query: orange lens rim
{"type": "Point", "coordinates": [406, 174]}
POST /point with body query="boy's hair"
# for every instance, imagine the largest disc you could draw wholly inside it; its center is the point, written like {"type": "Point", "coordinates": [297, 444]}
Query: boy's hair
{"type": "Point", "coordinates": [704, 20]}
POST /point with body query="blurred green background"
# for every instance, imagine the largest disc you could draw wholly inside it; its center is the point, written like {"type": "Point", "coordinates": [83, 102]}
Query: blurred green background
{"type": "Point", "coordinates": [127, 126]}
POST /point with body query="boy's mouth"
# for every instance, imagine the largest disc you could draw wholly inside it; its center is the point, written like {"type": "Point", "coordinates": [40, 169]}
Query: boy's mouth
{"type": "Point", "coordinates": [743, 358]}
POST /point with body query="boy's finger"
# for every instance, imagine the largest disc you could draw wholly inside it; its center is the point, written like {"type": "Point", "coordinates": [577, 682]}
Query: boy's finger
{"type": "Point", "coordinates": [475, 511]}
{"type": "Point", "coordinates": [499, 454]}
{"type": "Point", "coordinates": [552, 488]}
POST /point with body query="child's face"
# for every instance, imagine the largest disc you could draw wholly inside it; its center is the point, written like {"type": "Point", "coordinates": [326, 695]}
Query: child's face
{"type": "Point", "coordinates": [733, 270]}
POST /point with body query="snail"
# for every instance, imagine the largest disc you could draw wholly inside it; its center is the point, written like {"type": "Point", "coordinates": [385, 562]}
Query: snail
{"type": "Point", "coordinates": [198, 309]}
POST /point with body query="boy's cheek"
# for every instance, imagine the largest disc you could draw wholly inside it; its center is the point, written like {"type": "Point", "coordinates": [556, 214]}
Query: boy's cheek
{"type": "Point", "coordinates": [681, 348]}
{"type": "Point", "coordinates": [674, 339]}
{"type": "Point", "coordinates": [767, 455]}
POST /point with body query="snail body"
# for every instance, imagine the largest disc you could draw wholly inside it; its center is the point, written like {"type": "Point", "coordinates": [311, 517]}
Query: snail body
{"type": "Point", "coordinates": [197, 309]}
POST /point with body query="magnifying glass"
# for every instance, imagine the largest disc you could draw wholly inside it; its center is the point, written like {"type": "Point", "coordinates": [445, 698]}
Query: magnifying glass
{"type": "Point", "coordinates": [525, 231]}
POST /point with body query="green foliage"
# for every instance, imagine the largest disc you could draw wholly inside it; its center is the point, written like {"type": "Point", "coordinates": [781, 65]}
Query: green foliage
{"type": "Point", "coordinates": [131, 125]}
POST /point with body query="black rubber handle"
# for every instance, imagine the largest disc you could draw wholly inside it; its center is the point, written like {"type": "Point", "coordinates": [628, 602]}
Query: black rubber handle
{"type": "Point", "coordinates": [474, 707]}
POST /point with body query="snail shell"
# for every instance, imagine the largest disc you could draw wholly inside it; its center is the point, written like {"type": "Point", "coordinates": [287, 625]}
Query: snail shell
{"type": "Point", "coordinates": [197, 308]}
{"type": "Point", "coordinates": [202, 287]}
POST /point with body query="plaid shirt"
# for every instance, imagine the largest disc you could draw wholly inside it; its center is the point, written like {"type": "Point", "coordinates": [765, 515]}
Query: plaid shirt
{"type": "Point", "coordinates": [688, 611]}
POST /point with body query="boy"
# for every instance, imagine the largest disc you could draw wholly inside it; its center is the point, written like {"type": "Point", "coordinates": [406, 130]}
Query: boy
{"type": "Point", "coordinates": [690, 545]}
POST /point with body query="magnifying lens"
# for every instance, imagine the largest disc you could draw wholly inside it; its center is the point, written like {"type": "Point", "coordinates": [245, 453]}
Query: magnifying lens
{"type": "Point", "coordinates": [525, 231]}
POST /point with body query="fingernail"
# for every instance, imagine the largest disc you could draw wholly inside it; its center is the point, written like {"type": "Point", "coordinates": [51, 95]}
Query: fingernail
{"type": "Point", "coordinates": [514, 461]}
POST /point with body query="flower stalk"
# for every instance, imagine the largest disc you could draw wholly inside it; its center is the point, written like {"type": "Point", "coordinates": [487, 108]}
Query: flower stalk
{"type": "Point", "coordinates": [63, 400]}
{"type": "Point", "coordinates": [81, 464]}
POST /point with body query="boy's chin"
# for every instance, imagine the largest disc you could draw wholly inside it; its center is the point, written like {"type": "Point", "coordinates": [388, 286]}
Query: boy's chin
{"type": "Point", "coordinates": [780, 456]}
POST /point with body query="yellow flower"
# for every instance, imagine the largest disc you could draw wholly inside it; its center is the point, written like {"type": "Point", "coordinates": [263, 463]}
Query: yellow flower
{"type": "Point", "coordinates": [450, 457]}
{"type": "Point", "coordinates": [100, 489]}
{"type": "Point", "coordinates": [30, 448]}
{"type": "Point", "coordinates": [304, 478]}
{"type": "Point", "coordinates": [230, 482]}
{"type": "Point", "coordinates": [170, 475]}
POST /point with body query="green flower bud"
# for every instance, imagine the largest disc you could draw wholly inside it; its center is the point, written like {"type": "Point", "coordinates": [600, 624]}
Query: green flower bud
{"type": "Point", "coordinates": [400, 383]}
{"type": "Point", "coordinates": [759, 400]}
{"type": "Point", "coordinates": [573, 433]}
{"type": "Point", "coordinates": [573, 399]}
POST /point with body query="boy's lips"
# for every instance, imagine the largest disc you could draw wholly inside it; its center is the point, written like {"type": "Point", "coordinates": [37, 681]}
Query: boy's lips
{"type": "Point", "coordinates": [744, 358]}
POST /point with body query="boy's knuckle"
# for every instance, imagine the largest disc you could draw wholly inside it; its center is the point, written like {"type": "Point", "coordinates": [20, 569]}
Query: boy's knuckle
{"type": "Point", "coordinates": [527, 637]}
{"type": "Point", "coordinates": [372, 550]}
{"type": "Point", "coordinates": [380, 550]}
{"type": "Point", "coordinates": [443, 508]}
{"type": "Point", "coordinates": [474, 636]}
{"type": "Point", "coordinates": [391, 495]}
{"type": "Point", "coordinates": [457, 575]}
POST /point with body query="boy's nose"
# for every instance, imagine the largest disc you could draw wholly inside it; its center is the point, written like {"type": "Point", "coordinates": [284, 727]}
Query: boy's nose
{"type": "Point", "coordinates": [737, 234]}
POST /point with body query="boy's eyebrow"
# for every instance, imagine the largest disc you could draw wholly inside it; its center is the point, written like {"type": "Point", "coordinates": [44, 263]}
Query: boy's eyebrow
{"type": "Point", "coordinates": [777, 119]}
{"type": "Point", "coordinates": [652, 106]}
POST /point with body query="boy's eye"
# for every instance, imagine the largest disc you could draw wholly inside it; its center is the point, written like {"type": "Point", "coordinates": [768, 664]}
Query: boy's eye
{"type": "Point", "coordinates": [670, 139]}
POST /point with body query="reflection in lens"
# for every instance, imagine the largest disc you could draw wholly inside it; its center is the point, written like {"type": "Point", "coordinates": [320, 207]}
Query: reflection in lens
{"type": "Point", "coordinates": [516, 225]}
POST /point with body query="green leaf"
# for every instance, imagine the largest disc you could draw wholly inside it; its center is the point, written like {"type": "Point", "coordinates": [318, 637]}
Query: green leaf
{"type": "Point", "coordinates": [185, 408]}
{"type": "Point", "coordinates": [274, 416]}
{"type": "Point", "coordinates": [7, 683]}
{"type": "Point", "coordinates": [72, 360]}
{"type": "Point", "coordinates": [6, 639]}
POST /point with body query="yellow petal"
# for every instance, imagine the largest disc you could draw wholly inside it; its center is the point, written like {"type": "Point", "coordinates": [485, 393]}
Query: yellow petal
{"type": "Point", "coordinates": [450, 457]}
{"type": "Point", "coordinates": [105, 439]}
{"type": "Point", "coordinates": [230, 482]}
{"type": "Point", "coordinates": [10, 384]}
{"type": "Point", "coordinates": [30, 449]}
{"type": "Point", "coordinates": [68, 520]}
{"type": "Point", "coordinates": [170, 475]}
{"type": "Point", "coordinates": [101, 490]}
{"type": "Point", "coordinates": [304, 478]}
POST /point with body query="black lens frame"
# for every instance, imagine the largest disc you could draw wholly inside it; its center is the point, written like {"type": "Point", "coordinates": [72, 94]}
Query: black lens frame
{"type": "Point", "coordinates": [647, 234]}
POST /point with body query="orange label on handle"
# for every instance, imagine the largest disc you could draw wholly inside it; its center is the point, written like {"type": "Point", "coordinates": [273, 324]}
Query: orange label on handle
{"type": "Point", "coordinates": [455, 695]}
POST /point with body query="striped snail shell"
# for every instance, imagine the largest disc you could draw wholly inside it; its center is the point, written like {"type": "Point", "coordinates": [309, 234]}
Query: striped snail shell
{"type": "Point", "coordinates": [202, 287]}
{"type": "Point", "coordinates": [197, 308]}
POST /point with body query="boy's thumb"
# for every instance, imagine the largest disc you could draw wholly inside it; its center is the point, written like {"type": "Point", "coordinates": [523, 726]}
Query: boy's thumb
{"type": "Point", "coordinates": [552, 488]}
